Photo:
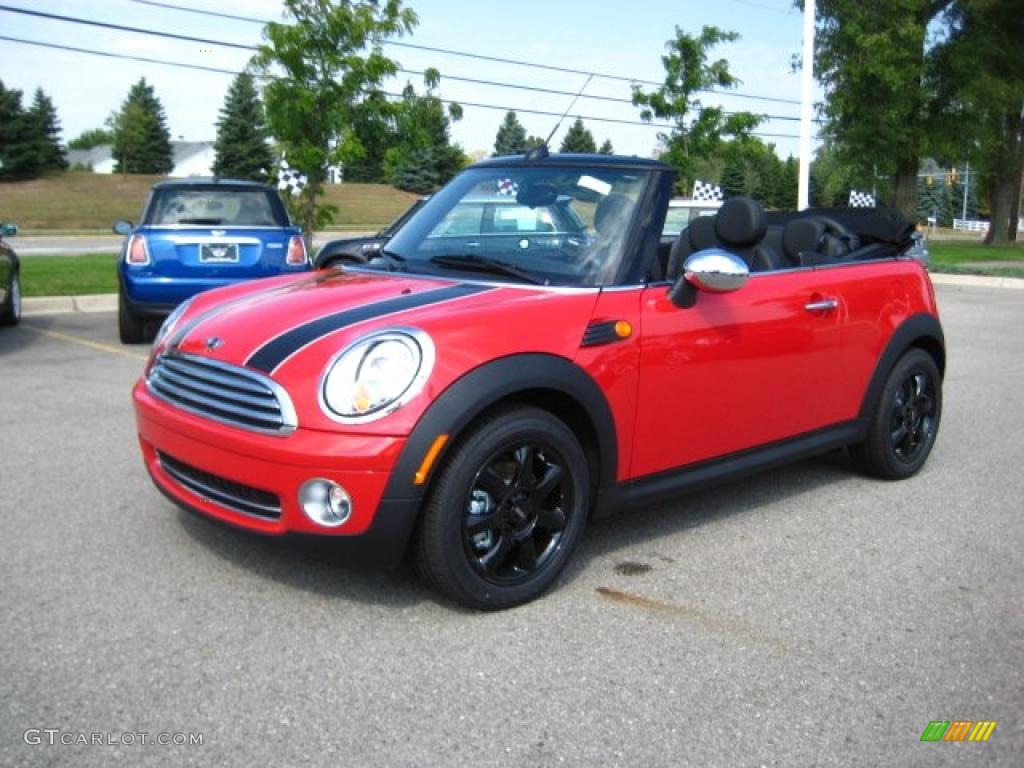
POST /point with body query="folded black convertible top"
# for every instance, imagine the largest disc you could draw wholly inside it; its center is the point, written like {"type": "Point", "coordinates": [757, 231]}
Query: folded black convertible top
{"type": "Point", "coordinates": [885, 225]}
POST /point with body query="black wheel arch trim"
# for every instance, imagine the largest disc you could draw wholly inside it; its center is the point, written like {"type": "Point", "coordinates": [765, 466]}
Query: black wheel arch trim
{"type": "Point", "coordinates": [486, 386]}
{"type": "Point", "coordinates": [921, 330]}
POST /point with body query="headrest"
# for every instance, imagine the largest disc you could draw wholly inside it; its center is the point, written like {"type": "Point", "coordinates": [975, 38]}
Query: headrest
{"type": "Point", "coordinates": [740, 222]}
{"type": "Point", "coordinates": [702, 233]}
{"type": "Point", "coordinates": [613, 211]}
{"type": "Point", "coordinates": [802, 236]}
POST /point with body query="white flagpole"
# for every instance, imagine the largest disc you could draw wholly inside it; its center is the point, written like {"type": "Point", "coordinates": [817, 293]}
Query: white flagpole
{"type": "Point", "coordinates": [806, 107]}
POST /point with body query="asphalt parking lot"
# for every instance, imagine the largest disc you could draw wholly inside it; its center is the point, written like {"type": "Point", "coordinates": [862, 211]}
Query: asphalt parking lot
{"type": "Point", "coordinates": [807, 616]}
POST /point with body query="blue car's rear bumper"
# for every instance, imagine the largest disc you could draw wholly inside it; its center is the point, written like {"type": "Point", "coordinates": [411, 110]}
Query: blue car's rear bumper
{"type": "Point", "coordinates": [154, 297]}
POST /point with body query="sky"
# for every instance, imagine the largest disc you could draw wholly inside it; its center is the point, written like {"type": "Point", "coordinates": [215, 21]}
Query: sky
{"type": "Point", "coordinates": [622, 37]}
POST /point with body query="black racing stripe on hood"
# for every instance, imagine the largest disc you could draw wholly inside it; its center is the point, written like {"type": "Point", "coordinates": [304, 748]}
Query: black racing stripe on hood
{"type": "Point", "coordinates": [277, 350]}
{"type": "Point", "coordinates": [216, 309]}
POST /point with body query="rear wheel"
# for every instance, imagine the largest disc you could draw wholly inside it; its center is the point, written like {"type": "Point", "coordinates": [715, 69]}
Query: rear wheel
{"type": "Point", "coordinates": [506, 512]}
{"type": "Point", "coordinates": [902, 430]}
{"type": "Point", "coordinates": [11, 314]}
{"type": "Point", "coordinates": [130, 327]}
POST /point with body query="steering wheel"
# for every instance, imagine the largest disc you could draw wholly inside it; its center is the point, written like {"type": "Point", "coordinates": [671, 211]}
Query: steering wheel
{"type": "Point", "coordinates": [848, 240]}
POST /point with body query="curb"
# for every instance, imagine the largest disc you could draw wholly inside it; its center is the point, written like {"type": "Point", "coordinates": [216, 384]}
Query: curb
{"type": "Point", "coordinates": [978, 281]}
{"type": "Point", "coordinates": [59, 305]}
{"type": "Point", "coordinates": [107, 302]}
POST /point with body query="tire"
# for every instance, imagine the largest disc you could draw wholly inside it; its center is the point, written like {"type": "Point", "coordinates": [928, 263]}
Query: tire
{"type": "Point", "coordinates": [903, 427]}
{"type": "Point", "coordinates": [11, 314]}
{"type": "Point", "coordinates": [130, 327]}
{"type": "Point", "coordinates": [506, 511]}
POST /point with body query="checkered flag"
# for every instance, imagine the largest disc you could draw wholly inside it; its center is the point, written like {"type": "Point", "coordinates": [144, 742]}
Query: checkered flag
{"type": "Point", "coordinates": [702, 191]}
{"type": "Point", "coordinates": [861, 199]}
{"type": "Point", "coordinates": [508, 188]}
{"type": "Point", "coordinates": [290, 180]}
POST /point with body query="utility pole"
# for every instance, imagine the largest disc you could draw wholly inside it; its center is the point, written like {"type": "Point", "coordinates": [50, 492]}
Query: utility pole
{"type": "Point", "coordinates": [806, 107]}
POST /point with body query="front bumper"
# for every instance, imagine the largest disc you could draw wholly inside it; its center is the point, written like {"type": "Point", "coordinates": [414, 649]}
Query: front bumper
{"type": "Point", "coordinates": [378, 528]}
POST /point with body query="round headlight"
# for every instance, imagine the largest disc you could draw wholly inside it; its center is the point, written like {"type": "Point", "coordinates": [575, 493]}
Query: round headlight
{"type": "Point", "coordinates": [377, 374]}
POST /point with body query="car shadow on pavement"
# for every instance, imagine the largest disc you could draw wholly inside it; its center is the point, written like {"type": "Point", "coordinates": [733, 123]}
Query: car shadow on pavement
{"type": "Point", "coordinates": [317, 567]}
{"type": "Point", "coordinates": [15, 338]}
{"type": "Point", "coordinates": [306, 564]}
{"type": "Point", "coordinates": [649, 526]}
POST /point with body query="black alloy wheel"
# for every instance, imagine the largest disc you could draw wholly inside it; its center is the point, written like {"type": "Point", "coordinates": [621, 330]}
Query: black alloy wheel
{"type": "Point", "coordinates": [506, 510]}
{"type": "Point", "coordinates": [515, 512]}
{"type": "Point", "coordinates": [905, 422]}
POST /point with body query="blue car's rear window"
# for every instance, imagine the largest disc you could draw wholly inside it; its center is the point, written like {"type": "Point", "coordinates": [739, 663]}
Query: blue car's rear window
{"type": "Point", "coordinates": [215, 207]}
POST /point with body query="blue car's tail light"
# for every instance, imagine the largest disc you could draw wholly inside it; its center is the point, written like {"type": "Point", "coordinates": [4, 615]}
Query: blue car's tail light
{"type": "Point", "coordinates": [296, 252]}
{"type": "Point", "coordinates": [138, 251]}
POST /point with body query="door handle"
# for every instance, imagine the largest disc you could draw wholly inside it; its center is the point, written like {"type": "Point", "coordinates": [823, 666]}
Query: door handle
{"type": "Point", "coordinates": [822, 305]}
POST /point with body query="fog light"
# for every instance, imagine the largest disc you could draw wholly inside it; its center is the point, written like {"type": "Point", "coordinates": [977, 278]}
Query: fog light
{"type": "Point", "coordinates": [325, 503]}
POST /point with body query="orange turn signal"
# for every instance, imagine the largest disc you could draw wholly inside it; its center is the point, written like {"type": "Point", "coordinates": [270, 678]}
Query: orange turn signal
{"type": "Point", "coordinates": [623, 329]}
{"type": "Point", "coordinates": [428, 461]}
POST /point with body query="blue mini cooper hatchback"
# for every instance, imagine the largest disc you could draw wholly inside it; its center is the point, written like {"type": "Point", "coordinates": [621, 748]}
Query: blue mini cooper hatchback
{"type": "Point", "coordinates": [197, 234]}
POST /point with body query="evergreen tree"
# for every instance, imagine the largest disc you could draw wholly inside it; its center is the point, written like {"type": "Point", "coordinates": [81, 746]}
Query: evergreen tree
{"type": "Point", "coordinates": [533, 141]}
{"type": "Point", "coordinates": [142, 143]}
{"type": "Point", "coordinates": [578, 139]}
{"type": "Point", "coordinates": [18, 150]}
{"type": "Point", "coordinates": [50, 155]}
{"type": "Point", "coordinates": [511, 137]}
{"type": "Point", "coordinates": [734, 179]}
{"type": "Point", "coordinates": [241, 150]}
{"type": "Point", "coordinates": [424, 157]}
{"type": "Point", "coordinates": [787, 190]}
{"type": "Point", "coordinates": [935, 199]}
{"type": "Point", "coordinates": [606, 148]}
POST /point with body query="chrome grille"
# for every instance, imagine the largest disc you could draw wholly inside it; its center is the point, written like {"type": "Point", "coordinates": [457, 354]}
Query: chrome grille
{"type": "Point", "coordinates": [227, 493]}
{"type": "Point", "coordinates": [222, 392]}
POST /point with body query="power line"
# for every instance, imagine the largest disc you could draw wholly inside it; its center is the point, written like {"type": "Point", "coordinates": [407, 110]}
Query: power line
{"type": "Point", "coordinates": [479, 105]}
{"type": "Point", "coordinates": [478, 56]}
{"type": "Point", "coordinates": [207, 41]}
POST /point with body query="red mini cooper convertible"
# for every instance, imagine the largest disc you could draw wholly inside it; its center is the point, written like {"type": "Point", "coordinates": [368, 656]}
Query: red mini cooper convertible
{"type": "Point", "coordinates": [525, 354]}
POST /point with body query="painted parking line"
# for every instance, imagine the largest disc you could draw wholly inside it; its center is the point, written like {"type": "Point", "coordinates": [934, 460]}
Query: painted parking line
{"type": "Point", "coordinates": [97, 345]}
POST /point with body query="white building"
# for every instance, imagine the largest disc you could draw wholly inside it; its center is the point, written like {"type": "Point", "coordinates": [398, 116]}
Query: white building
{"type": "Point", "coordinates": [191, 158]}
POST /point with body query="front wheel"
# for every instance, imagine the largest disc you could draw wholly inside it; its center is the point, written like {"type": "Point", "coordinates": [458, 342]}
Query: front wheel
{"type": "Point", "coordinates": [903, 427]}
{"type": "Point", "coordinates": [11, 314]}
{"type": "Point", "coordinates": [506, 511]}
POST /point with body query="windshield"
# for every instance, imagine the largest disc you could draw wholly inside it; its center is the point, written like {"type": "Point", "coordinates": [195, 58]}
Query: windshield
{"type": "Point", "coordinates": [215, 207]}
{"type": "Point", "coordinates": [557, 226]}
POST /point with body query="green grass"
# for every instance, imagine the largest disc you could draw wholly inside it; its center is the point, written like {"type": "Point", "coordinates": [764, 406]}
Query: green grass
{"type": "Point", "coordinates": [69, 275]}
{"type": "Point", "coordinates": [84, 202]}
{"type": "Point", "coordinates": [961, 258]}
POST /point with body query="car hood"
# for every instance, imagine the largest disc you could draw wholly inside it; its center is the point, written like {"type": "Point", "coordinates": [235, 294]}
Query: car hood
{"type": "Point", "coordinates": [291, 328]}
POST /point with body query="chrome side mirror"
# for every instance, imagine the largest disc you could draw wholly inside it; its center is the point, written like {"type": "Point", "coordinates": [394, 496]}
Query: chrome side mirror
{"type": "Point", "coordinates": [123, 227]}
{"type": "Point", "coordinates": [716, 271]}
{"type": "Point", "coordinates": [712, 271]}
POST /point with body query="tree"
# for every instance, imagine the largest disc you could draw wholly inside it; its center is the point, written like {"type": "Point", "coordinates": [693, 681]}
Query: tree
{"type": "Point", "coordinates": [18, 156]}
{"type": "Point", "coordinates": [320, 63]}
{"type": "Point", "coordinates": [142, 143]}
{"type": "Point", "coordinates": [511, 137]}
{"type": "Point", "coordinates": [373, 123]}
{"type": "Point", "coordinates": [870, 59]}
{"type": "Point", "coordinates": [578, 139]}
{"type": "Point", "coordinates": [94, 137]}
{"type": "Point", "coordinates": [424, 157]}
{"type": "Point", "coordinates": [699, 129]}
{"type": "Point", "coordinates": [50, 155]}
{"type": "Point", "coordinates": [241, 150]}
{"type": "Point", "coordinates": [606, 148]}
{"type": "Point", "coordinates": [979, 79]}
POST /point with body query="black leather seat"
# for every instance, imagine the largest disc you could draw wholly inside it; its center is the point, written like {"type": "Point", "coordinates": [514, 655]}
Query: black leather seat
{"type": "Point", "coordinates": [740, 226]}
{"type": "Point", "coordinates": [802, 241]}
{"type": "Point", "coordinates": [696, 237]}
